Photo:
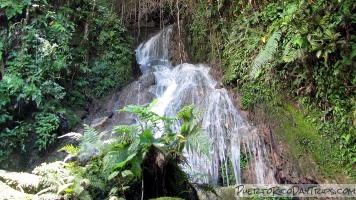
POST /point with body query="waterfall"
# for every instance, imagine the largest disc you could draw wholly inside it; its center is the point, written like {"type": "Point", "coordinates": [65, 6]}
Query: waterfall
{"type": "Point", "coordinates": [175, 86]}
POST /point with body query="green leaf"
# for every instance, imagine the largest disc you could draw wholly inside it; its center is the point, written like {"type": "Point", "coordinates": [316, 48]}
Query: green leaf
{"type": "Point", "coordinates": [113, 190]}
{"type": "Point", "coordinates": [154, 102]}
{"type": "Point", "coordinates": [70, 149]}
{"type": "Point", "coordinates": [136, 167]}
{"type": "Point", "coordinates": [126, 187]}
{"type": "Point", "coordinates": [123, 128]}
{"type": "Point", "coordinates": [123, 163]}
{"type": "Point", "coordinates": [113, 175]}
{"type": "Point", "coordinates": [298, 42]}
{"type": "Point", "coordinates": [126, 173]}
{"type": "Point", "coordinates": [148, 135]}
{"type": "Point", "coordinates": [353, 54]}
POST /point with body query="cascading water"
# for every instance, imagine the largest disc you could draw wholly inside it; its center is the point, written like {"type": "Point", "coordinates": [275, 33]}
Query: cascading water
{"type": "Point", "coordinates": [230, 135]}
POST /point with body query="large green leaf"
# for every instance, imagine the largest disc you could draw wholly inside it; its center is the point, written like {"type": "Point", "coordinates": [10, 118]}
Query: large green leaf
{"type": "Point", "coordinates": [123, 163]}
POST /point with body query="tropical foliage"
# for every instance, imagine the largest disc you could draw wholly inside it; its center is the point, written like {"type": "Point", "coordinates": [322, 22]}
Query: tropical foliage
{"type": "Point", "coordinates": [54, 57]}
{"type": "Point", "coordinates": [116, 166]}
{"type": "Point", "coordinates": [271, 50]}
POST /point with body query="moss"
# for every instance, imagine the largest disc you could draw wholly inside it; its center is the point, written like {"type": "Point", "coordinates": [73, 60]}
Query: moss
{"type": "Point", "coordinates": [315, 154]}
{"type": "Point", "coordinates": [227, 193]}
{"type": "Point", "coordinates": [168, 198]}
{"type": "Point", "coordinates": [74, 116]}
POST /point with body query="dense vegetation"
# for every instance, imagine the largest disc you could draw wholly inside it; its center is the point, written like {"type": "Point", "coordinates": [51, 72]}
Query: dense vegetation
{"type": "Point", "coordinates": [301, 50]}
{"type": "Point", "coordinates": [133, 164]}
{"type": "Point", "coordinates": [55, 57]}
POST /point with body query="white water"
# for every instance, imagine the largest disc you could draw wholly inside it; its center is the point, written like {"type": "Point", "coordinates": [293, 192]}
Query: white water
{"type": "Point", "coordinates": [229, 133]}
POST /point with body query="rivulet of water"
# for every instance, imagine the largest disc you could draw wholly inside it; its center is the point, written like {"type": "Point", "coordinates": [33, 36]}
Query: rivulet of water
{"type": "Point", "coordinates": [230, 135]}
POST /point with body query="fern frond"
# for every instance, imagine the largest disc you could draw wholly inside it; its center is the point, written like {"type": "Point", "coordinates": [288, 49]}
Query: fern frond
{"type": "Point", "coordinates": [102, 134]}
{"type": "Point", "coordinates": [287, 55]}
{"type": "Point", "coordinates": [109, 144]}
{"type": "Point", "coordinates": [123, 129]}
{"type": "Point", "coordinates": [266, 54]}
{"type": "Point", "coordinates": [63, 187]}
{"type": "Point", "coordinates": [134, 145]}
{"type": "Point", "coordinates": [70, 149]}
{"type": "Point", "coordinates": [198, 142]}
{"type": "Point", "coordinates": [90, 144]}
{"type": "Point", "coordinates": [96, 182]}
{"type": "Point", "coordinates": [90, 134]}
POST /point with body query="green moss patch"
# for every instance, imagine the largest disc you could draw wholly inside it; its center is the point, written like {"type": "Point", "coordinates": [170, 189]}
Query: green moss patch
{"type": "Point", "coordinates": [314, 154]}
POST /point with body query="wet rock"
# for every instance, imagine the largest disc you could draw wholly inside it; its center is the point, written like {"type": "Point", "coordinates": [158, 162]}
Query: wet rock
{"type": "Point", "coordinates": [147, 80]}
{"type": "Point", "coordinates": [177, 49]}
{"type": "Point", "coordinates": [99, 122]}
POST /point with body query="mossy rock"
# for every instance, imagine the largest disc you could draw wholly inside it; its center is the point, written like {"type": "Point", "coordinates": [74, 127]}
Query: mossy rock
{"type": "Point", "coordinates": [74, 115]}
{"type": "Point", "coordinates": [312, 155]}
{"type": "Point", "coordinates": [226, 193]}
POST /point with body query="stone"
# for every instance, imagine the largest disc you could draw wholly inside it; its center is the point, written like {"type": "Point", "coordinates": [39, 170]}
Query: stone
{"type": "Point", "coordinates": [99, 122]}
{"type": "Point", "coordinates": [226, 193]}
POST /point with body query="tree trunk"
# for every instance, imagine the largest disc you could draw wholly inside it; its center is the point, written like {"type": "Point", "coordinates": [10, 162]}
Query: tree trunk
{"type": "Point", "coordinates": [2, 68]}
{"type": "Point", "coordinates": [164, 177]}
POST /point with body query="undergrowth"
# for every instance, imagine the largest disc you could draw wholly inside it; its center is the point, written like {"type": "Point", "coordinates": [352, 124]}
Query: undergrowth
{"type": "Point", "coordinates": [55, 58]}
{"type": "Point", "coordinates": [303, 50]}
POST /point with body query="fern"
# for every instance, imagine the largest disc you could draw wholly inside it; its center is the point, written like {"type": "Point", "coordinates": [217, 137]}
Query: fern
{"type": "Point", "coordinates": [121, 158]}
{"type": "Point", "coordinates": [191, 130]}
{"type": "Point", "coordinates": [241, 45]}
{"type": "Point", "coordinates": [266, 54]}
{"type": "Point", "coordinates": [91, 143]}
{"type": "Point", "coordinates": [198, 143]}
{"type": "Point", "coordinates": [96, 182]}
{"type": "Point", "coordinates": [90, 134]}
{"type": "Point", "coordinates": [70, 149]}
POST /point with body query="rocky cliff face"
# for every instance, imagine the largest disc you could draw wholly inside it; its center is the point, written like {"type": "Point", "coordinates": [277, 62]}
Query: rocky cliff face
{"type": "Point", "coordinates": [286, 169]}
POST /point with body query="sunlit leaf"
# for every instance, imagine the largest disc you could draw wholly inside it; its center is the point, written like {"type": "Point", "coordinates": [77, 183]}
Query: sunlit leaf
{"type": "Point", "coordinates": [113, 175]}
